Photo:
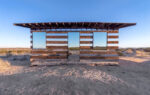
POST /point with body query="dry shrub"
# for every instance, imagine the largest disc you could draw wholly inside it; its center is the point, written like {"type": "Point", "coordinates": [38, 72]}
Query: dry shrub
{"type": "Point", "coordinates": [129, 51]}
{"type": "Point", "coordinates": [4, 63]}
{"type": "Point", "coordinates": [120, 53]}
{"type": "Point", "coordinates": [141, 53]}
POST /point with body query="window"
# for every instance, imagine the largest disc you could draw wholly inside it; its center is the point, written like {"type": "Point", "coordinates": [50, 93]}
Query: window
{"type": "Point", "coordinates": [73, 40]}
{"type": "Point", "coordinates": [39, 40]}
{"type": "Point", "coordinates": [100, 40]}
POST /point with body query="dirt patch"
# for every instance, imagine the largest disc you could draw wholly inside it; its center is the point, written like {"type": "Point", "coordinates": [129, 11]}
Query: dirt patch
{"type": "Point", "coordinates": [130, 78]}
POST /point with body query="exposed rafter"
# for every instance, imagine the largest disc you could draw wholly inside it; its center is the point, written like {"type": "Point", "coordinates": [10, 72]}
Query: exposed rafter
{"type": "Point", "coordinates": [75, 25]}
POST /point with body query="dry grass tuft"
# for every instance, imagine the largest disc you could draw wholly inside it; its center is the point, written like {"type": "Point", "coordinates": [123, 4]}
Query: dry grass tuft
{"type": "Point", "coordinates": [4, 63]}
{"type": "Point", "coordinates": [10, 51]}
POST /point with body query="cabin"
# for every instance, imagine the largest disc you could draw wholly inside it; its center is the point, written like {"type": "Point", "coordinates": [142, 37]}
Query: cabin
{"type": "Point", "coordinates": [93, 43]}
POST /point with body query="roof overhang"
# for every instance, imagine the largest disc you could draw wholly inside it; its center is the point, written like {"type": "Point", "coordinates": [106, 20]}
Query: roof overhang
{"type": "Point", "coordinates": [75, 25]}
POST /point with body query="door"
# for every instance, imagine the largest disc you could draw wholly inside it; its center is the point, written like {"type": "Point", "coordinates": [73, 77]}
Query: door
{"type": "Point", "coordinates": [73, 46]}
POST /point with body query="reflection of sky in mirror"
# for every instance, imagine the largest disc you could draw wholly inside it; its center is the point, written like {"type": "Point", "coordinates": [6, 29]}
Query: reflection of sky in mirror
{"type": "Point", "coordinates": [73, 38]}
{"type": "Point", "coordinates": [39, 40]}
{"type": "Point", "coordinates": [100, 39]}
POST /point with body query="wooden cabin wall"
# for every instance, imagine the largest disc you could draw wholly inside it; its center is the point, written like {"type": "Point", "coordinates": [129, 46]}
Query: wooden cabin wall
{"type": "Point", "coordinates": [60, 51]}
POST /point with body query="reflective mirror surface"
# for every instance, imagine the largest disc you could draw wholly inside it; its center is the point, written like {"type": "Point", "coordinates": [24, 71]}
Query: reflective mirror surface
{"type": "Point", "coordinates": [100, 40]}
{"type": "Point", "coordinates": [39, 40]}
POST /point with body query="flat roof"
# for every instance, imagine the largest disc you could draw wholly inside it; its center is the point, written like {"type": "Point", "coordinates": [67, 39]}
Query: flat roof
{"type": "Point", "coordinates": [75, 25]}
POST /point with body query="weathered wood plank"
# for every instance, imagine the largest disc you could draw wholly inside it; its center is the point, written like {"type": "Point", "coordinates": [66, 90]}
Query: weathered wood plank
{"type": "Point", "coordinates": [109, 31]}
{"type": "Point", "coordinates": [115, 31]}
{"type": "Point", "coordinates": [86, 47]}
{"type": "Point", "coordinates": [57, 32]}
{"type": "Point", "coordinates": [56, 37]}
{"type": "Point", "coordinates": [112, 37]}
{"type": "Point", "coordinates": [112, 58]}
{"type": "Point", "coordinates": [86, 42]}
{"type": "Point", "coordinates": [89, 32]}
{"type": "Point", "coordinates": [48, 57]}
{"type": "Point", "coordinates": [48, 52]}
{"type": "Point", "coordinates": [112, 47]}
{"type": "Point", "coordinates": [99, 57]}
{"type": "Point", "coordinates": [37, 31]}
{"type": "Point", "coordinates": [86, 37]}
{"type": "Point", "coordinates": [57, 42]}
{"type": "Point", "coordinates": [92, 57]}
{"type": "Point", "coordinates": [95, 52]}
{"type": "Point", "coordinates": [112, 42]}
{"type": "Point", "coordinates": [57, 47]}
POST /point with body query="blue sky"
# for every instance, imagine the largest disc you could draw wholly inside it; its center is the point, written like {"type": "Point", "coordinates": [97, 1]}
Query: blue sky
{"type": "Point", "coordinates": [21, 11]}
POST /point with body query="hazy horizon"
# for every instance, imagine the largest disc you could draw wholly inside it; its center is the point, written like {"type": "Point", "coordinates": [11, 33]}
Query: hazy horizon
{"type": "Point", "coordinates": [25, 11]}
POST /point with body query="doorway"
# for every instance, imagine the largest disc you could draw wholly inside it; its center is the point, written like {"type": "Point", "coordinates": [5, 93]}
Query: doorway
{"type": "Point", "coordinates": [73, 46]}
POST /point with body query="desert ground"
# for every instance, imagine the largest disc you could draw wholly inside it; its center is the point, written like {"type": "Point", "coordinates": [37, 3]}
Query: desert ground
{"type": "Point", "coordinates": [130, 77]}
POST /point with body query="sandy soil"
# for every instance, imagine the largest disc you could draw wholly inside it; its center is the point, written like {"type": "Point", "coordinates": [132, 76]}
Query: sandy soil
{"type": "Point", "coordinates": [132, 77]}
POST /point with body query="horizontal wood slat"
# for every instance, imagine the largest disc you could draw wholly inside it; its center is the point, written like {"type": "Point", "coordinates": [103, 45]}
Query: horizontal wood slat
{"type": "Point", "coordinates": [49, 52]}
{"type": "Point", "coordinates": [48, 57]}
{"type": "Point", "coordinates": [86, 47]}
{"type": "Point", "coordinates": [112, 47]}
{"type": "Point", "coordinates": [95, 52]}
{"type": "Point", "coordinates": [109, 31]}
{"type": "Point", "coordinates": [57, 42]}
{"type": "Point", "coordinates": [31, 47]}
{"type": "Point", "coordinates": [112, 57]}
{"type": "Point", "coordinates": [57, 47]}
{"type": "Point", "coordinates": [112, 42]}
{"type": "Point", "coordinates": [109, 37]}
{"type": "Point", "coordinates": [86, 37]}
{"type": "Point", "coordinates": [86, 32]}
{"type": "Point", "coordinates": [37, 31]}
{"type": "Point", "coordinates": [55, 37]}
{"type": "Point", "coordinates": [92, 57]}
{"type": "Point", "coordinates": [86, 42]}
{"type": "Point", "coordinates": [99, 57]}
{"type": "Point", "coordinates": [57, 32]}
{"type": "Point", "coordinates": [115, 31]}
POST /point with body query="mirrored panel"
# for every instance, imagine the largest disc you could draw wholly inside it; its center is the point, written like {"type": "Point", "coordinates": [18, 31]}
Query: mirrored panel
{"type": "Point", "coordinates": [39, 40]}
{"type": "Point", "coordinates": [73, 40]}
{"type": "Point", "coordinates": [100, 40]}
{"type": "Point", "coordinates": [73, 45]}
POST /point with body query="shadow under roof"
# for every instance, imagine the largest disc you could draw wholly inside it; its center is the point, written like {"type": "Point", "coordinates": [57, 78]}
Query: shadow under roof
{"type": "Point", "coordinates": [75, 25]}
